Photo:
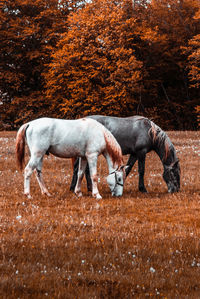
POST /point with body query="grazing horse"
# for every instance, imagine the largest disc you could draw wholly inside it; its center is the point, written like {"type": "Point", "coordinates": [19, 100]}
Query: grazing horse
{"type": "Point", "coordinates": [84, 138]}
{"type": "Point", "coordinates": [137, 136]}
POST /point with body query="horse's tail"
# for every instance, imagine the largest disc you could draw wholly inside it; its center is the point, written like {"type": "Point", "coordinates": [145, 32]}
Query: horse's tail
{"type": "Point", "coordinates": [20, 145]}
{"type": "Point", "coordinates": [113, 148]}
{"type": "Point", "coordinates": [160, 137]}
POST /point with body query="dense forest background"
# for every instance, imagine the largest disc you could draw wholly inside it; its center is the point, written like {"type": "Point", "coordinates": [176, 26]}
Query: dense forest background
{"type": "Point", "coordinates": [72, 58]}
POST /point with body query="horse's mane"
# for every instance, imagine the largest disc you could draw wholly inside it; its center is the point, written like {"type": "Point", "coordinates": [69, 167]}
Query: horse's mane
{"type": "Point", "coordinates": [113, 148]}
{"type": "Point", "coordinates": [161, 138]}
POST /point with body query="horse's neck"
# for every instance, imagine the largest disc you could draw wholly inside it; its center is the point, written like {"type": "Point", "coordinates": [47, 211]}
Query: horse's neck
{"type": "Point", "coordinates": [160, 151]}
{"type": "Point", "coordinates": [167, 153]}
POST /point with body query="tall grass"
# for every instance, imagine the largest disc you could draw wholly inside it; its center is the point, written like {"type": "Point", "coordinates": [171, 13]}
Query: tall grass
{"type": "Point", "coordinates": [137, 246]}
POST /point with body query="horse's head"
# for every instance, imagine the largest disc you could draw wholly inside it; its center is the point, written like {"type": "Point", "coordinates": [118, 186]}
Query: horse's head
{"type": "Point", "coordinates": [171, 176]}
{"type": "Point", "coordinates": [116, 180]}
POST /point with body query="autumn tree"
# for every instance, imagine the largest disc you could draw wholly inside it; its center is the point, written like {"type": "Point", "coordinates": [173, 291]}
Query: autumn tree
{"type": "Point", "coordinates": [194, 60]}
{"type": "Point", "coordinates": [194, 66]}
{"type": "Point", "coordinates": [125, 57]}
{"type": "Point", "coordinates": [29, 31]}
{"type": "Point", "coordinates": [167, 27]}
{"type": "Point", "coordinates": [69, 58]}
{"type": "Point", "coordinates": [193, 51]}
{"type": "Point", "coordinates": [94, 69]}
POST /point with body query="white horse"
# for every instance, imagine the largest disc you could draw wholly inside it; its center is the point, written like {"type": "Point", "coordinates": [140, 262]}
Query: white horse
{"type": "Point", "coordinates": [85, 138]}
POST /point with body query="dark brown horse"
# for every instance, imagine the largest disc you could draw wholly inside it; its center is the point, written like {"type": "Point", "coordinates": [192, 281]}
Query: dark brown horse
{"type": "Point", "coordinates": [137, 136]}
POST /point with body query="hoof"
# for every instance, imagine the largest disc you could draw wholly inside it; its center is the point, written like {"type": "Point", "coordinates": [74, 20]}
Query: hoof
{"type": "Point", "coordinates": [48, 194]}
{"type": "Point", "coordinates": [143, 190]}
{"type": "Point", "coordinates": [97, 196]}
{"type": "Point", "coordinates": [89, 188]}
{"type": "Point", "coordinates": [79, 194]}
{"type": "Point", "coordinates": [28, 195]}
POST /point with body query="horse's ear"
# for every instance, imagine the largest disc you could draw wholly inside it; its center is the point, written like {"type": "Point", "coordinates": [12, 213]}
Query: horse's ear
{"type": "Point", "coordinates": [172, 165]}
{"type": "Point", "coordinates": [168, 167]}
{"type": "Point", "coordinates": [175, 164]}
{"type": "Point", "coordinates": [124, 167]}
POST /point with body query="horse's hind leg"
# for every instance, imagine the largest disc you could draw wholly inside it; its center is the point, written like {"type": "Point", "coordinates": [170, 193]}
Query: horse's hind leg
{"type": "Point", "coordinates": [27, 174]}
{"type": "Point", "coordinates": [38, 173]}
{"type": "Point", "coordinates": [131, 161]}
{"type": "Point", "coordinates": [81, 170]}
{"type": "Point", "coordinates": [92, 161]}
{"type": "Point", "coordinates": [34, 163]}
{"type": "Point", "coordinates": [75, 173]}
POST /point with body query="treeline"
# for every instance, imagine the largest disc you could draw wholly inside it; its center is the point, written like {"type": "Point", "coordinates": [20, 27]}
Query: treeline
{"type": "Point", "coordinates": [69, 58]}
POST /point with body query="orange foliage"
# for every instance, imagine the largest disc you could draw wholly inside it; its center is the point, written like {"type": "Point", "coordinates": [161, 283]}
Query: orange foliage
{"type": "Point", "coordinates": [194, 57]}
{"type": "Point", "coordinates": [94, 70]}
{"type": "Point", "coordinates": [72, 58]}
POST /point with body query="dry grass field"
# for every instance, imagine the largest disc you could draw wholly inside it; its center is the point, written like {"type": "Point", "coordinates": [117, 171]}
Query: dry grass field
{"type": "Point", "coordinates": [137, 246]}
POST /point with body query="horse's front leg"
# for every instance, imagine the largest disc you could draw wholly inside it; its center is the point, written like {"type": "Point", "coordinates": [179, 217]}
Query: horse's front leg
{"type": "Point", "coordinates": [141, 169]}
{"type": "Point", "coordinates": [92, 161]}
{"type": "Point", "coordinates": [81, 171]}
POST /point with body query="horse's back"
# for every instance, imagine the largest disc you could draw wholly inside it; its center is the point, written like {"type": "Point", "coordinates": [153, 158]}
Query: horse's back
{"type": "Point", "coordinates": [38, 134]}
{"type": "Point", "coordinates": [65, 138]}
{"type": "Point", "coordinates": [132, 133]}
{"type": "Point", "coordinates": [127, 125]}
{"type": "Point", "coordinates": [40, 124]}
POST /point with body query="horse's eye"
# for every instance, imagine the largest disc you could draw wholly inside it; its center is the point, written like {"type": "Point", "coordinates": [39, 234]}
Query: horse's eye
{"type": "Point", "coordinates": [119, 180]}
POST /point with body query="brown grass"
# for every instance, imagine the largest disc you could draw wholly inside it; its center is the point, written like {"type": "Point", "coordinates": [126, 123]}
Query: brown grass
{"type": "Point", "coordinates": [138, 246]}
